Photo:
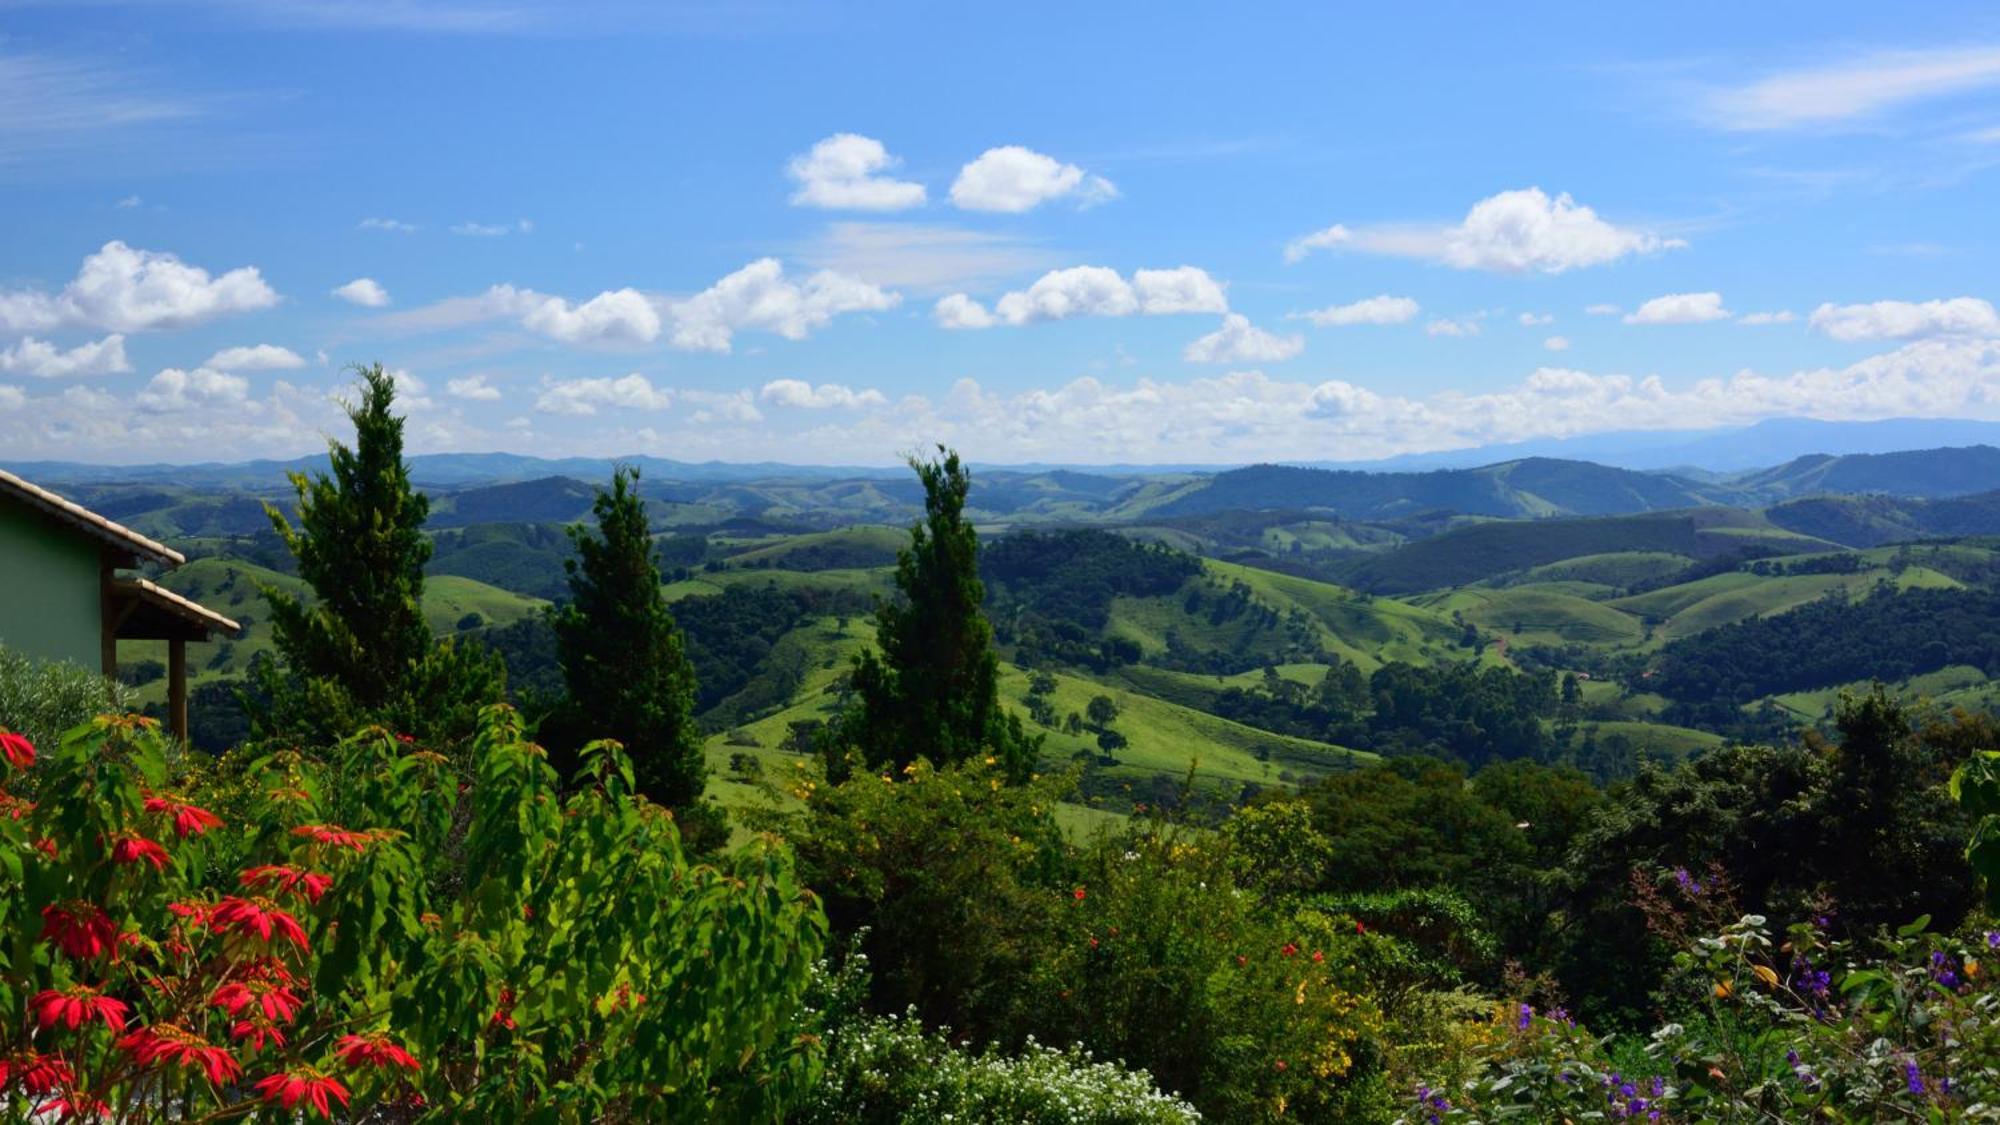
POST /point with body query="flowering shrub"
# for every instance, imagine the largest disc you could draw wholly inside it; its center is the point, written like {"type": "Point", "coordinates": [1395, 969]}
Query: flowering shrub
{"type": "Point", "coordinates": [366, 926]}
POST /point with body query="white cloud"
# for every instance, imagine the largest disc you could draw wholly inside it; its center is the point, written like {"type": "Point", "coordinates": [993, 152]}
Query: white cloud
{"type": "Point", "coordinates": [1091, 291]}
{"type": "Point", "coordinates": [1015, 179]}
{"type": "Point", "coordinates": [799, 393]}
{"type": "Point", "coordinates": [1556, 343]}
{"type": "Point", "coordinates": [585, 396]}
{"type": "Point", "coordinates": [394, 225]}
{"type": "Point", "coordinates": [760, 297]}
{"type": "Point", "coordinates": [1512, 232]}
{"type": "Point", "coordinates": [1782, 316]}
{"type": "Point", "coordinates": [473, 387]}
{"type": "Point", "coordinates": [615, 316]}
{"type": "Point", "coordinates": [1602, 310]}
{"type": "Point", "coordinates": [11, 398]}
{"type": "Point", "coordinates": [1444, 326]}
{"type": "Point", "coordinates": [929, 259]}
{"type": "Point", "coordinates": [412, 393]}
{"type": "Point", "coordinates": [1536, 320]}
{"type": "Point", "coordinates": [1680, 308]}
{"type": "Point", "coordinates": [363, 291]}
{"type": "Point", "coordinates": [129, 202]}
{"type": "Point", "coordinates": [1852, 90]}
{"type": "Point", "coordinates": [1369, 310]}
{"type": "Point", "coordinates": [44, 360]}
{"type": "Point", "coordinates": [1239, 341]}
{"type": "Point", "coordinates": [1902, 320]}
{"type": "Point", "coordinates": [714, 407]}
{"type": "Point", "coordinates": [174, 390]}
{"type": "Point", "coordinates": [493, 230]}
{"type": "Point", "coordinates": [961, 311]}
{"type": "Point", "coordinates": [260, 357]}
{"type": "Point", "coordinates": [1331, 238]}
{"type": "Point", "coordinates": [843, 172]}
{"type": "Point", "coordinates": [121, 289]}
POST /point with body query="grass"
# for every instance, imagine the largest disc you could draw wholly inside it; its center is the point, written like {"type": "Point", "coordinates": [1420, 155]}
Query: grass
{"type": "Point", "coordinates": [1535, 615]}
{"type": "Point", "coordinates": [1616, 569]}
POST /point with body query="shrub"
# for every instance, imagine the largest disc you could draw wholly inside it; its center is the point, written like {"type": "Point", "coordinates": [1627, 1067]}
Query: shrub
{"type": "Point", "coordinates": [41, 699]}
{"type": "Point", "coordinates": [369, 923]}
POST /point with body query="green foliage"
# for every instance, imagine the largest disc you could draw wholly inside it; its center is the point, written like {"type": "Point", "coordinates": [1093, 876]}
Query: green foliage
{"type": "Point", "coordinates": [1976, 787]}
{"type": "Point", "coordinates": [361, 651]}
{"type": "Point", "coordinates": [458, 917]}
{"type": "Point", "coordinates": [627, 675]}
{"type": "Point", "coordinates": [1052, 592]}
{"type": "Point", "coordinates": [934, 691]}
{"type": "Point", "coordinates": [43, 698]}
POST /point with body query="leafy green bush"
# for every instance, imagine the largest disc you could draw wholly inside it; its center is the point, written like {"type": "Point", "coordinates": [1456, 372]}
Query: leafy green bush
{"type": "Point", "coordinates": [41, 699]}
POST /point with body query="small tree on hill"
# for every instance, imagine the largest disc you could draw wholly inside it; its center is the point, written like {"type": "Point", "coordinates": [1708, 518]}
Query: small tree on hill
{"type": "Point", "coordinates": [934, 690]}
{"type": "Point", "coordinates": [622, 658]}
{"type": "Point", "coordinates": [360, 650]}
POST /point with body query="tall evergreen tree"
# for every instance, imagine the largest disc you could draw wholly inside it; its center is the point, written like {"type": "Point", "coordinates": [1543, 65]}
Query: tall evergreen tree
{"type": "Point", "coordinates": [360, 649]}
{"type": "Point", "coordinates": [360, 546]}
{"type": "Point", "coordinates": [934, 691]}
{"type": "Point", "coordinates": [622, 657]}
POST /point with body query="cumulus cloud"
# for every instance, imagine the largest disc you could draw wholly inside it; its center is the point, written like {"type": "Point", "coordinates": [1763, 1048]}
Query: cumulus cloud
{"type": "Point", "coordinates": [12, 398]}
{"type": "Point", "coordinates": [1331, 238]}
{"type": "Point", "coordinates": [1015, 179]}
{"type": "Point", "coordinates": [1556, 343]}
{"type": "Point", "coordinates": [1535, 320]}
{"type": "Point", "coordinates": [121, 289]}
{"type": "Point", "coordinates": [174, 390]}
{"type": "Point", "coordinates": [1602, 309]}
{"type": "Point", "coordinates": [1903, 320]}
{"type": "Point", "coordinates": [1445, 326]}
{"type": "Point", "coordinates": [259, 357]}
{"type": "Point", "coordinates": [1090, 291]}
{"type": "Point", "coordinates": [1852, 89]}
{"type": "Point", "coordinates": [474, 388]}
{"type": "Point", "coordinates": [394, 225]}
{"type": "Point", "coordinates": [760, 297]}
{"type": "Point", "coordinates": [363, 291]}
{"type": "Point", "coordinates": [616, 316]}
{"type": "Point", "coordinates": [585, 396]}
{"type": "Point", "coordinates": [1239, 341]}
{"type": "Point", "coordinates": [844, 172]}
{"type": "Point", "coordinates": [1369, 310]}
{"type": "Point", "coordinates": [1680, 308]}
{"type": "Point", "coordinates": [799, 393]}
{"type": "Point", "coordinates": [713, 407]}
{"type": "Point", "coordinates": [1782, 316]}
{"type": "Point", "coordinates": [1520, 231]}
{"type": "Point", "coordinates": [44, 360]}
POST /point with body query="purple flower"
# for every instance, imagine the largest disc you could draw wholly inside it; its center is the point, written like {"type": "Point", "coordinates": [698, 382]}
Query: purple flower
{"type": "Point", "coordinates": [1913, 1077]}
{"type": "Point", "coordinates": [1526, 1017]}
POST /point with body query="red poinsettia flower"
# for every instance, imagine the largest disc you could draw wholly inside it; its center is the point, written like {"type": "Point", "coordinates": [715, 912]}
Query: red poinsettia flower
{"type": "Point", "coordinates": [256, 1033]}
{"type": "Point", "coordinates": [188, 819]}
{"type": "Point", "coordinates": [334, 836]}
{"type": "Point", "coordinates": [503, 1016]}
{"type": "Point", "coordinates": [1078, 894]}
{"type": "Point", "coordinates": [37, 1073]}
{"type": "Point", "coordinates": [75, 1107]}
{"type": "Point", "coordinates": [75, 1006]}
{"type": "Point", "coordinates": [278, 1003]}
{"type": "Point", "coordinates": [309, 885]}
{"type": "Point", "coordinates": [172, 1044]}
{"type": "Point", "coordinates": [14, 808]}
{"type": "Point", "coordinates": [307, 1085]}
{"type": "Point", "coordinates": [79, 929]}
{"type": "Point", "coordinates": [374, 1049]}
{"type": "Point", "coordinates": [256, 916]}
{"type": "Point", "coordinates": [138, 849]}
{"type": "Point", "coordinates": [19, 752]}
{"type": "Point", "coordinates": [1289, 949]}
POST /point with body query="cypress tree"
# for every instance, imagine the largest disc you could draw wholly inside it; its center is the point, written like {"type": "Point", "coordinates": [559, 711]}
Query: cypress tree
{"type": "Point", "coordinates": [934, 691]}
{"type": "Point", "coordinates": [622, 657]}
{"type": "Point", "coordinates": [360, 546]}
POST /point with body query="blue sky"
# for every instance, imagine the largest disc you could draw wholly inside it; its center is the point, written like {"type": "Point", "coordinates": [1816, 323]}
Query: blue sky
{"type": "Point", "coordinates": [1103, 233]}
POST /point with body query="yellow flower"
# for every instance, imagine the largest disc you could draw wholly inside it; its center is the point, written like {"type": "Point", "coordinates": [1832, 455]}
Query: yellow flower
{"type": "Point", "coordinates": [1723, 990]}
{"type": "Point", "coordinates": [1765, 974]}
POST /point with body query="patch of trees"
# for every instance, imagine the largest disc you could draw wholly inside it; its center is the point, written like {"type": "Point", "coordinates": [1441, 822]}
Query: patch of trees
{"type": "Point", "coordinates": [1050, 594]}
{"type": "Point", "coordinates": [730, 635]}
{"type": "Point", "coordinates": [1886, 636]}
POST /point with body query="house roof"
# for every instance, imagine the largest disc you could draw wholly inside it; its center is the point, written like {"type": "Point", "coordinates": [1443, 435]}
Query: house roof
{"type": "Point", "coordinates": [159, 614]}
{"type": "Point", "coordinates": [80, 518]}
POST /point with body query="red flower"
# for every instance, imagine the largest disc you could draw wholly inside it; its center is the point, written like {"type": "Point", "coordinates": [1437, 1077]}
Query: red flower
{"type": "Point", "coordinates": [15, 807]}
{"type": "Point", "coordinates": [38, 1074]}
{"type": "Point", "coordinates": [1318, 957]}
{"type": "Point", "coordinates": [77, 1107]}
{"type": "Point", "coordinates": [375, 1049]}
{"type": "Point", "coordinates": [334, 835]}
{"type": "Point", "coordinates": [137, 849]}
{"type": "Point", "coordinates": [289, 1088]}
{"type": "Point", "coordinates": [255, 1033]}
{"type": "Point", "coordinates": [83, 931]}
{"type": "Point", "coordinates": [1093, 943]}
{"type": "Point", "coordinates": [19, 752]}
{"type": "Point", "coordinates": [168, 1043]}
{"type": "Point", "coordinates": [1359, 928]}
{"type": "Point", "coordinates": [278, 1003]}
{"type": "Point", "coordinates": [1241, 960]}
{"type": "Point", "coordinates": [194, 910]}
{"type": "Point", "coordinates": [1077, 894]}
{"type": "Point", "coordinates": [256, 916]}
{"type": "Point", "coordinates": [1289, 950]}
{"type": "Point", "coordinates": [1281, 1064]}
{"type": "Point", "coordinates": [309, 885]}
{"type": "Point", "coordinates": [503, 1015]}
{"type": "Point", "coordinates": [76, 1006]}
{"type": "Point", "coordinates": [188, 819]}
